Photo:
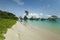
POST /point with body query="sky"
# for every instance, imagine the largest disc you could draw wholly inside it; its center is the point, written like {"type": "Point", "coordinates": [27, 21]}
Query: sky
{"type": "Point", "coordinates": [18, 7]}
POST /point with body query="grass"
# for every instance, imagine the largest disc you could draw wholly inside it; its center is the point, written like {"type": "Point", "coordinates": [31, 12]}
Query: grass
{"type": "Point", "coordinates": [4, 25]}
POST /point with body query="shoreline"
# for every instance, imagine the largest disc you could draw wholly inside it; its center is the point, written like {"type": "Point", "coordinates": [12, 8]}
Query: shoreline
{"type": "Point", "coordinates": [24, 32]}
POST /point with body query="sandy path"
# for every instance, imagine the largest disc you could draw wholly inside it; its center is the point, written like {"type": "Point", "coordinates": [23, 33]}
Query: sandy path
{"type": "Point", "coordinates": [24, 32]}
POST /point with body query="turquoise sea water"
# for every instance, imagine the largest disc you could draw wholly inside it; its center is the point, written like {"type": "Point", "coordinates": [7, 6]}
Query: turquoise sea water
{"type": "Point", "coordinates": [53, 26]}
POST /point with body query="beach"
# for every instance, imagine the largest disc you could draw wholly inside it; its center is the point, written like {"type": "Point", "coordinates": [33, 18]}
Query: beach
{"type": "Point", "coordinates": [21, 31]}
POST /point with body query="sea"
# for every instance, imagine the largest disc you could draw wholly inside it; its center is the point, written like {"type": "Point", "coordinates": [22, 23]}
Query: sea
{"type": "Point", "coordinates": [53, 26]}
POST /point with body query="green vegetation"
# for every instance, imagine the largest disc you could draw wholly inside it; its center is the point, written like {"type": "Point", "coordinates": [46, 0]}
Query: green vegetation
{"type": "Point", "coordinates": [4, 25]}
{"type": "Point", "coordinates": [7, 20]}
{"type": "Point", "coordinates": [32, 18]}
{"type": "Point", "coordinates": [42, 19]}
{"type": "Point", "coordinates": [25, 17]}
{"type": "Point", "coordinates": [52, 18]}
{"type": "Point", "coordinates": [7, 15]}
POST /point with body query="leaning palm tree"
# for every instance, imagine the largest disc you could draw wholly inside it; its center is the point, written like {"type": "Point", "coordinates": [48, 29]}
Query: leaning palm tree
{"type": "Point", "coordinates": [26, 12]}
{"type": "Point", "coordinates": [25, 17]}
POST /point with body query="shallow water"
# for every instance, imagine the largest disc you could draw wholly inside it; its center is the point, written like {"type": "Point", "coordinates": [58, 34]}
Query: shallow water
{"type": "Point", "coordinates": [53, 26]}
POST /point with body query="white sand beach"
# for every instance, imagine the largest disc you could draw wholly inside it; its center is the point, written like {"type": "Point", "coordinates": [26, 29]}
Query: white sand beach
{"type": "Point", "coordinates": [24, 32]}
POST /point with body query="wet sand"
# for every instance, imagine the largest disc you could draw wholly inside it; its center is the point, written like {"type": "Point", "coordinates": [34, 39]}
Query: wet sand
{"type": "Point", "coordinates": [24, 32]}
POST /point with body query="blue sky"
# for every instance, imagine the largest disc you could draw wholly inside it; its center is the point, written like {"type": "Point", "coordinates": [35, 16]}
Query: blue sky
{"type": "Point", "coordinates": [50, 7]}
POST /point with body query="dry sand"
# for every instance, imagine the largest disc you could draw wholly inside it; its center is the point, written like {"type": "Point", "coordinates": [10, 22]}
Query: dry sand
{"type": "Point", "coordinates": [24, 32]}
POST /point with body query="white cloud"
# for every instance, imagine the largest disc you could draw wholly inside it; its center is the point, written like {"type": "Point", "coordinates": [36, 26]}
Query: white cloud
{"type": "Point", "coordinates": [19, 2]}
{"type": "Point", "coordinates": [41, 14]}
{"type": "Point", "coordinates": [48, 15]}
{"type": "Point", "coordinates": [37, 15]}
{"type": "Point", "coordinates": [34, 15]}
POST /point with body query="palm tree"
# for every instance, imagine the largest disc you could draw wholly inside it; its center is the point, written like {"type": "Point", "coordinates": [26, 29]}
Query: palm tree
{"type": "Point", "coordinates": [25, 17]}
{"type": "Point", "coordinates": [26, 12]}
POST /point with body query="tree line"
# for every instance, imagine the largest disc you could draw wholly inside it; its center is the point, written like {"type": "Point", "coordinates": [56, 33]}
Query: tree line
{"type": "Point", "coordinates": [7, 15]}
{"type": "Point", "coordinates": [52, 18]}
